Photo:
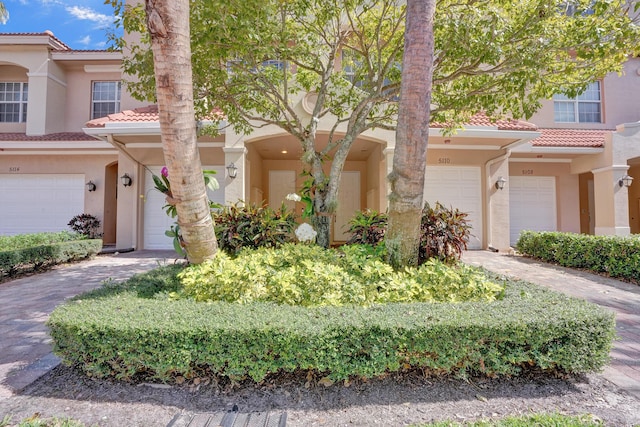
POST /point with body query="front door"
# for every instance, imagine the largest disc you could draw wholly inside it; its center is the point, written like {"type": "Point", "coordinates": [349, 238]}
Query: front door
{"type": "Point", "coordinates": [348, 204]}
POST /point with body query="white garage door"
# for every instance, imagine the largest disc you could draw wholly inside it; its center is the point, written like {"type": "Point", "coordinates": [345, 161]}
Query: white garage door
{"type": "Point", "coordinates": [532, 204]}
{"type": "Point", "coordinates": [33, 203]}
{"type": "Point", "coordinates": [156, 221]}
{"type": "Point", "coordinates": [457, 187]}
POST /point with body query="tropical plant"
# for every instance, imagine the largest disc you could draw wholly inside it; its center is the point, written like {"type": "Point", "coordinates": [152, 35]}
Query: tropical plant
{"type": "Point", "coordinates": [85, 224]}
{"type": "Point", "coordinates": [444, 233]}
{"type": "Point", "coordinates": [239, 226]}
{"type": "Point", "coordinates": [367, 227]}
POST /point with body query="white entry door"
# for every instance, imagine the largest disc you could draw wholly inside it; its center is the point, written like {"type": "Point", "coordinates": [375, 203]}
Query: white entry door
{"type": "Point", "coordinates": [156, 221]}
{"type": "Point", "coordinates": [457, 187]}
{"type": "Point", "coordinates": [532, 204]}
{"type": "Point", "coordinates": [32, 203]}
{"type": "Point", "coordinates": [348, 204]}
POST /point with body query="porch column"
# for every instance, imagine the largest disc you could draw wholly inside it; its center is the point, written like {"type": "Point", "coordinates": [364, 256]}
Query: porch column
{"type": "Point", "coordinates": [235, 188]}
{"type": "Point", "coordinates": [384, 187]}
{"type": "Point", "coordinates": [611, 201]}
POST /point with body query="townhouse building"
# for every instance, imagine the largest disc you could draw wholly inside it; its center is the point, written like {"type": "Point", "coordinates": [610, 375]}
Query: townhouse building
{"type": "Point", "coordinates": [73, 141]}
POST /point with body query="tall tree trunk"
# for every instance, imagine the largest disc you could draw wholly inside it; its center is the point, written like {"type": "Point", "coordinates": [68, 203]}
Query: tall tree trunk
{"type": "Point", "coordinates": [168, 24]}
{"type": "Point", "coordinates": [410, 156]}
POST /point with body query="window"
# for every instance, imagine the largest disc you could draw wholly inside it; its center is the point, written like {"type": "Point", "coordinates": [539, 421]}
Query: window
{"type": "Point", "coordinates": [13, 102]}
{"type": "Point", "coordinates": [350, 64]}
{"type": "Point", "coordinates": [105, 99]}
{"type": "Point", "coordinates": [585, 108]}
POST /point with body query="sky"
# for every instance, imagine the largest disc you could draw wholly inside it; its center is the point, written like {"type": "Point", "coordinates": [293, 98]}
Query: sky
{"type": "Point", "coordinates": [80, 24]}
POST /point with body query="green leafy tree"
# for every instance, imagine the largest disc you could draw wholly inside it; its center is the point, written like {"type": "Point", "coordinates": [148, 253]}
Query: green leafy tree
{"type": "Point", "coordinates": [253, 60]}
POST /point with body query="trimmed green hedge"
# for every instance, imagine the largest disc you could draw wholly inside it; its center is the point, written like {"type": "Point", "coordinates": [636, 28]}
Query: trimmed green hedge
{"type": "Point", "coordinates": [32, 258]}
{"type": "Point", "coordinates": [616, 256]}
{"type": "Point", "coordinates": [134, 331]}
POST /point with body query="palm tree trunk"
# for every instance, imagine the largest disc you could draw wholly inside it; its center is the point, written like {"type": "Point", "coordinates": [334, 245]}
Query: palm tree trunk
{"type": "Point", "coordinates": [168, 24]}
{"type": "Point", "coordinates": [410, 156]}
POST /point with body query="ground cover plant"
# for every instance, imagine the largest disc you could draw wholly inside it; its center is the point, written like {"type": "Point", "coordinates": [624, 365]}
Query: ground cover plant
{"type": "Point", "coordinates": [140, 330]}
{"type": "Point", "coordinates": [538, 420]}
{"type": "Point", "coordinates": [615, 256]}
{"type": "Point", "coordinates": [37, 421]}
{"type": "Point", "coordinates": [308, 275]}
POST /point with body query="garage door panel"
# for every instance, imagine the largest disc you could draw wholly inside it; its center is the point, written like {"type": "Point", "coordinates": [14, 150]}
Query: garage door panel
{"type": "Point", "coordinates": [532, 205]}
{"type": "Point", "coordinates": [34, 203]}
{"type": "Point", "coordinates": [457, 187]}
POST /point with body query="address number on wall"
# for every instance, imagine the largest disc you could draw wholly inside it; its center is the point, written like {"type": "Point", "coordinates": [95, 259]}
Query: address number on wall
{"type": "Point", "coordinates": [444, 160]}
{"type": "Point", "coordinates": [14, 169]}
{"type": "Point", "coordinates": [527, 171]}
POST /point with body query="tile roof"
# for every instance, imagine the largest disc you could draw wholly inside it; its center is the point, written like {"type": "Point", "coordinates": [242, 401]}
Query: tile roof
{"type": "Point", "coordinates": [571, 138]}
{"type": "Point", "coordinates": [482, 120]}
{"type": "Point", "coordinates": [62, 136]}
{"type": "Point", "coordinates": [44, 33]}
{"type": "Point", "coordinates": [148, 114]}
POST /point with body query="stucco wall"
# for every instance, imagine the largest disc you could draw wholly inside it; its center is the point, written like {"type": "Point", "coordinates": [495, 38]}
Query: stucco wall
{"type": "Point", "coordinates": [617, 105]}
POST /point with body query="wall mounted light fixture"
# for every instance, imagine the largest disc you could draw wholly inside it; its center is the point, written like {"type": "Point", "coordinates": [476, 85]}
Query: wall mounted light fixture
{"type": "Point", "coordinates": [126, 180]}
{"type": "Point", "coordinates": [626, 181]}
{"type": "Point", "coordinates": [500, 183]}
{"type": "Point", "coordinates": [232, 170]}
{"type": "Point", "coordinates": [91, 186]}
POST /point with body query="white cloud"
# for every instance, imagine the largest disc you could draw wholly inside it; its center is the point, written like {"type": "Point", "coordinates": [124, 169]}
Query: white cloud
{"type": "Point", "coordinates": [88, 14]}
{"type": "Point", "coordinates": [85, 41]}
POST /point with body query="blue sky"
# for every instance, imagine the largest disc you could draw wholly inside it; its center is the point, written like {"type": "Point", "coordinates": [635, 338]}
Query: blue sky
{"type": "Point", "coordinates": [80, 24]}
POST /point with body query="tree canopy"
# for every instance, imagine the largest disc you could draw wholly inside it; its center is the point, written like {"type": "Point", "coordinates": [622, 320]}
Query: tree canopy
{"type": "Point", "coordinates": [252, 60]}
{"type": "Point", "coordinates": [497, 56]}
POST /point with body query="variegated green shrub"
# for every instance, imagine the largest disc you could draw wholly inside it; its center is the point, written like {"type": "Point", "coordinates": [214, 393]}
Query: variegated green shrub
{"type": "Point", "coordinates": [308, 275]}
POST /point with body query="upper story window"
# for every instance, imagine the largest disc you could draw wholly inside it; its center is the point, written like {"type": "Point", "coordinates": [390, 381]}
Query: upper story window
{"type": "Point", "coordinates": [585, 108]}
{"type": "Point", "coordinates": [105, 99]}
{"type": "Point", "coordinates": [13, 102]}
{"type": "Point", "coordinates": [350, 64]}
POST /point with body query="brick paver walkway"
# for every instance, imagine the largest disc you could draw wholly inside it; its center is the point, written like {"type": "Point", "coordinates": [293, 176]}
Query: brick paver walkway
{"type": "Point", "coordinates": [621, 297]}
{"type": "Point", "coordinates": [27, 302]}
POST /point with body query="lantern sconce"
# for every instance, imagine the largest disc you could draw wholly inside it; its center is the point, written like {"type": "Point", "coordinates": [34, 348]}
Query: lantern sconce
{"type": "Point", "coordinates": [91, 186]}
{"type": "Point", "coordinates": [232, 170]}
{"type": "Point", "coordinates": [126, 180]}
{"type": "Point", "coordinates": [625, 181]}
{"type": "Point", "coordinates": [500, 183]}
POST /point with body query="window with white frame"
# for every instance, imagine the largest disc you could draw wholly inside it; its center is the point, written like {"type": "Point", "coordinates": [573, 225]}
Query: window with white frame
{"type": "Point", "coordinates": [13, 102]}
{"type": "Point", "coordinates": [584, 108]}
{"type": "Point", "coordinates": [105, 99]}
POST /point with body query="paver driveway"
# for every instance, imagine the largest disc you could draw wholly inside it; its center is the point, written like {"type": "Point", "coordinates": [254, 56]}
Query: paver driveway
{"type": "Point", "coordinates": [27, 302]}
{"type": "Point", "coordinates": [621, 297]}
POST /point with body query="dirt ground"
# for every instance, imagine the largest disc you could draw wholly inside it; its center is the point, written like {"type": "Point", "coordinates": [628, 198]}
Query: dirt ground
{"type": "Point", "coordinates": [396, 400]}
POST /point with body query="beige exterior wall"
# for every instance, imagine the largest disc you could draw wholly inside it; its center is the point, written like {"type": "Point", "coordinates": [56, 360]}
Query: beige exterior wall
{"type": "Point", "coordinates": [618, 103]}
{"type": "Point", "coordinates": [79, 93]}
